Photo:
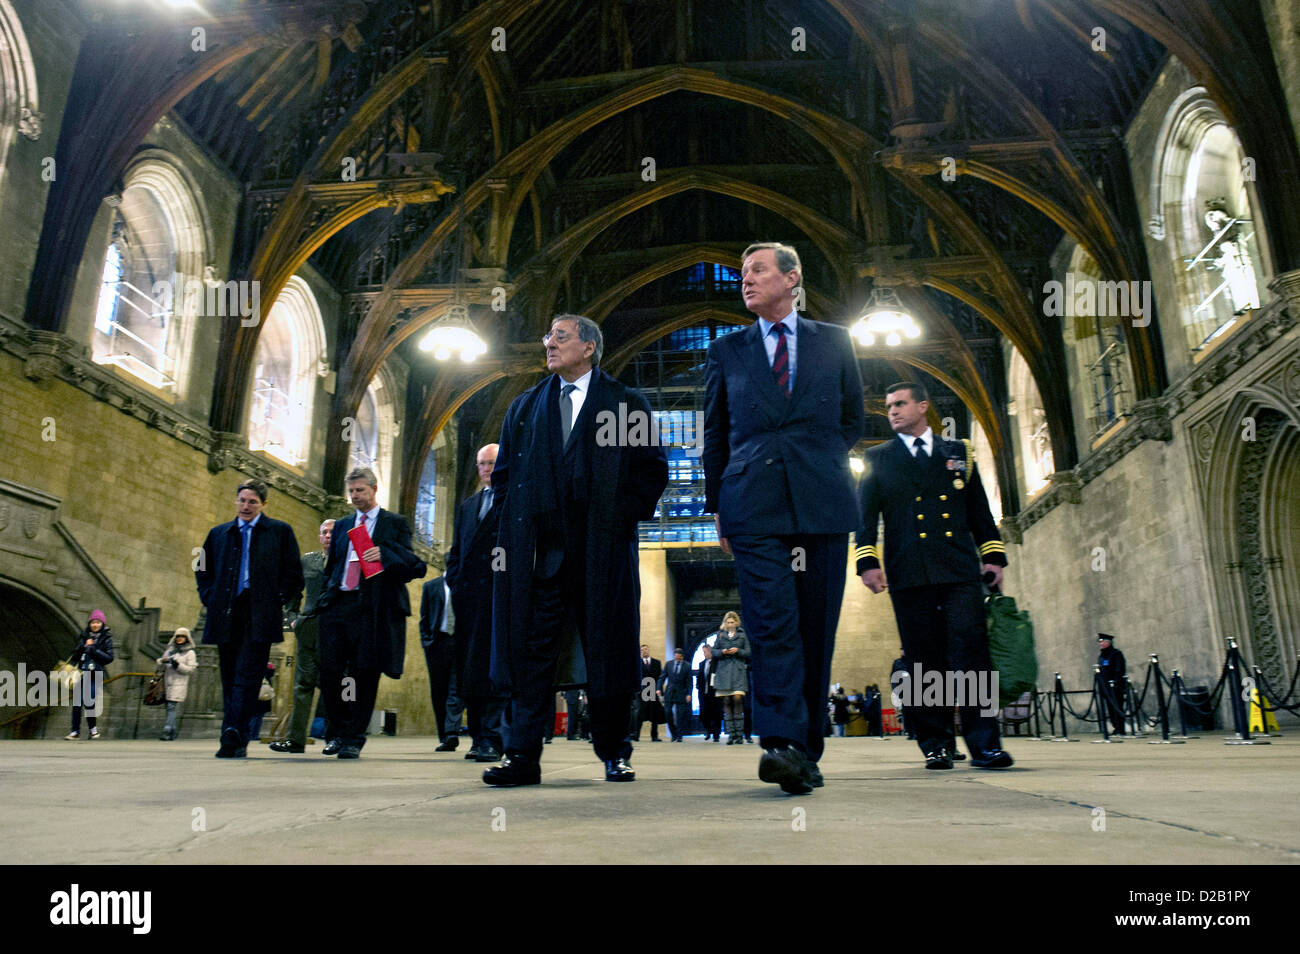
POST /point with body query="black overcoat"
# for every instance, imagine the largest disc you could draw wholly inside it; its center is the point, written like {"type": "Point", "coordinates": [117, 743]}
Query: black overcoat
{"type": "Point", "coordinates": [274, 578]}
{"type": "Point", "coordinates": [469, 574]}
{"type": "Point", "coordinates": [626, 478]}
{"type": "Point", "coordinates": [383, 645]}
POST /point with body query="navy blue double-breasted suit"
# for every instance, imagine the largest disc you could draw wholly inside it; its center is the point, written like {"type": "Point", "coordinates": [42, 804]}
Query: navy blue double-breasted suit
{"type": "Point", "coordinates": [776, 472]}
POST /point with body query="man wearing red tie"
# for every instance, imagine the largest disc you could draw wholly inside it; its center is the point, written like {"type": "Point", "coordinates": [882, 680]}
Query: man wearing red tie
{"type": "Point", "coordinates": [363, 626]}
{"type": "Point", "coordinates": [782, 409]}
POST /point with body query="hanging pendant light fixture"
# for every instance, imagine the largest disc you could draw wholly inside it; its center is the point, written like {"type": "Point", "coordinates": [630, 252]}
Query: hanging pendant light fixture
{"type": "Point", "coordinates": [885, 317]}
{"type": "Point", "coordinates": [454, 333]}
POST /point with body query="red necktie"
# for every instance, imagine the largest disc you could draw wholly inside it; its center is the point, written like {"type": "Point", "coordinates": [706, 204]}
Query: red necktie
{"type": "Point", "coordinates": [781, 360]}
{"type": "Point", "coordinates": [353, 575]}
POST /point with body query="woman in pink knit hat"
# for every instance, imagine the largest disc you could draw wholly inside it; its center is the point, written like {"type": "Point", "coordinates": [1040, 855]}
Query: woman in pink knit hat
{"type": "Point", "coordinates": [93, 653]}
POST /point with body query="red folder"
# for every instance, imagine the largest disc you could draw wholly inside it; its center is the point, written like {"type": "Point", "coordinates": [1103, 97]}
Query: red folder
{"type": "Point", "coordinates": [361, 542]}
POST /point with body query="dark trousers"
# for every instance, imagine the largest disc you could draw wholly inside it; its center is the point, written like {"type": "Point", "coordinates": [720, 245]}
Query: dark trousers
{"type": "Point", "coordinates": [556, 604]}
{"type": "Point", "coordinates": [1113, 693]}
{"type": "Point", "coordinates": [86, 691]}
{"type": "Point", "coordinates": [441, 660]}
{"type": "Point", "coordinates": [485, 713]}
{"type": "Point", "coordinates": [487, 721]}
{"type": "Point", "coordinates": [943, 628]}
{"type": "Point", "coordinates": [243, 667]}
{"type": "Point", "coordinates": [577, 728]}
{"type": "Point", "coordinates": [643, 710]}
{"type": "Point", "coordinates": [790, 619]}
{"type": "Point", "coordinates": [348, 705]}
{"type": "Point", "coordinates": [710, 714]}
{"type": "Point", "coordinates": [306, 679]}
{"type": "Point", "coordinates": [679, 717]}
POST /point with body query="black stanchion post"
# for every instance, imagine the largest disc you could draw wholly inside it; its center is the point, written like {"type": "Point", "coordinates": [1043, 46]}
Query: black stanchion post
{"type": "Point", "coordinates": [1132, 718]}
{"type": "Point", "coordinates": [1099, 703]}
{"type": "Point", "coordinates": [1236, 687]}
{"type": "Point", "coordinates": [1058, 690]}
{"type": "Point", "coordinates": [1033, 699]}
{"type": "Point", "coordinates": [1163, 704]}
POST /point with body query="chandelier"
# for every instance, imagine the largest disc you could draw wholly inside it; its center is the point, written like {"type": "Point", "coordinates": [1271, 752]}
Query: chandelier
{"type": "Point", "coordinates": [885, 317]}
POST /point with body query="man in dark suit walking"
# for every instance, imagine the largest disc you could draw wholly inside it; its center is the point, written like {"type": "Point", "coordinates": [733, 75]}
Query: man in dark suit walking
{"type": "Point", "coordinates": [577, 470]}
{"type": "Point", "coordinates": [437, 624]}
{"type": "Point", "coordinates": [248, 571]}
{"type": "Point", "coordinates": [647, 706]}
{"type": "Point", "coordinates": [710, 708]}
{"type": "Point", "coordinates": [782, 409]}
{"type": "Point", "coordinates": [938, 532]}
{"type": "Point", "coordinates": [469, 574]}
{"type": "Point", "coordinates": [675, 687]}
{"type": "Point", "coordinates": [363, 625]}
{"type": "Point", "coordinates": [306, 658]}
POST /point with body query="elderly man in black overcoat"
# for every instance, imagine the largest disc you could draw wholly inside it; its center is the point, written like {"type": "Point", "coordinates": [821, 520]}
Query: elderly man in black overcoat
{"type": "Point", "coordinates": [579, 465]}
{"type": "Point", "coordinates": [249, 569]}
{"type": "Point", "coordinates": [469, 574]}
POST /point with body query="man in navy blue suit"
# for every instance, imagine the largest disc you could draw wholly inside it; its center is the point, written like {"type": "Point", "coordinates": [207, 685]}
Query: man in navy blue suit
{"type": "Point", "coordinates": [782, 409]}
{"type": "Point", "coordinates": [250, 568]}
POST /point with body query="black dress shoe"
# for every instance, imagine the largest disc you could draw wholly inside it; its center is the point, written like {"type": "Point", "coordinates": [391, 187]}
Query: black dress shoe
{"type": "Point", "coordinates": [350, 752]}
{"type": "Point", "coordinates": [748, 740]}
{"type": "Point", "coordinates": [284, 745]}
{"type": "Point", "coordinates": [513, 772]}
{"type": "Point", "coordinates": [472, 754]}
{"type": "Point", "coordinates": [230, 744]}
{"type": "Point", "coordinates": [788, 768]}
{"type": "Point", "coordinates": [994, 758]}
{"type": "Point", "coordinates": [332, 747]}
{"type": "Point", "coordinates": [488, 754]}
{"type": "Point", "coordinates": [449, 745]}
{"type": "Point", "coordinates": [938, 760]}
{"type": "Point", "coordinates": [617, 770]}
{"type": "Point", "coordinates": [817, 780]}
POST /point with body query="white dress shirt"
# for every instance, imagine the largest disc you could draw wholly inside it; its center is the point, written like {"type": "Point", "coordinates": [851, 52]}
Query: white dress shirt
{"type": "Point", "coordinates": [371, 516]}
{"type": "Point", "coordinates": [910, 442]}
{"type": "Point", "coordinates": [578, 394]}
{"type": "Point", "coordinates": [791, 322]}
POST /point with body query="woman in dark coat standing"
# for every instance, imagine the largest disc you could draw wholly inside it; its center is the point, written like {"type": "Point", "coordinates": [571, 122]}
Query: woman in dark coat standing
{"type": "Point", "coordinates": [731, 682]}
{"type": "Point", "coordinates": [93, 653]}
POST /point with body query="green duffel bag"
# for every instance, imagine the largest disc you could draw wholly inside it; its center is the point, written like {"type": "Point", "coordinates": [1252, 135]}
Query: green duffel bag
{"type": "Point", "coordinates": [1011, 646]}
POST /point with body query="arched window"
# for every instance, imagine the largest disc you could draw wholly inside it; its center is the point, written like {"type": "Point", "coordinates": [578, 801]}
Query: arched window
{"type": "Point", "coordinates": [1098, 358]}
{"type": "Point", "coordinates": [152, 286]}
{"type": "Point", "coordinates": [1205, 210]}
{"type": "Point", "coordinates": [291, 358]}
{"type": "Point", "coordinates": [19, 113]}
{"type": "Point", "coordinates": [1033, 441]}
{"type": "Point", "coordinates": [374, 435]}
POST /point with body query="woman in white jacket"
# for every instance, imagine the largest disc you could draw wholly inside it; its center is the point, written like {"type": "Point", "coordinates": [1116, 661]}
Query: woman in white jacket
{"type": "Point", "coordinates": [178, 662]}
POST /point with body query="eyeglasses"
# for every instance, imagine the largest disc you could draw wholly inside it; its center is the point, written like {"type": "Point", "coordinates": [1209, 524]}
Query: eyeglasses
{"type": "Point", "coordinates": [558, 336]}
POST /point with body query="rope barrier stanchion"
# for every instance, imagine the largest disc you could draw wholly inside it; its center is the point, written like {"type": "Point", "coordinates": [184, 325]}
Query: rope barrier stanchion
{"type": "Point", "coordinates": [1177, 690]}
{"type": "Point", "coordinates": [1164, 707]}
{"type": "Point", "coordinates": [1037, 734]}
{"type": "Point", "coordinates": [1237, 699]}
{"type": "Point", "coordinates": [1257, 701]}
{"type": "Point", "coordinates": [1099, 697]}
{"type": "Point", "coordinates": [1058, 692]}
{"type": "Point", "coordinates": [1132, 708]}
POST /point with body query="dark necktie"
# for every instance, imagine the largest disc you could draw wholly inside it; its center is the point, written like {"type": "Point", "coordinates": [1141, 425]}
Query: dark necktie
{"type": "Point", "coordinates": [781, 360]}
{"type": "Point", "coordinates": [245, 541]}
{"type": "Point", "coordinates": [922, 457]}
{"type": "Point", "coordinates": [566, 413]}
{"type": "Point", "coordinates": [485, 505]}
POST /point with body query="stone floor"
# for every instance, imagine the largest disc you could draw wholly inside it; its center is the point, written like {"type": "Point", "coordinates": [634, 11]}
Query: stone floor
{"type": "Point", "coordinates": [151, 802]}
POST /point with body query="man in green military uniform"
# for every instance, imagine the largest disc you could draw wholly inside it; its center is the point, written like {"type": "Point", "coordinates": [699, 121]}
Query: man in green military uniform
{"type": "Point", "coordinates": [305, 630]}
{"type": "Point", "coordinates": [939, 538]}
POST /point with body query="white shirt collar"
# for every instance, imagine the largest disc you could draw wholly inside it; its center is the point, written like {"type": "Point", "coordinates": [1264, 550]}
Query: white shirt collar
{"type": "Point", "coordinates": [252, 523]}
{"type": "Point", "coordinates": [910, 442]}
{"type": "Point", "coordinates": [791, 322]}
{"type": "Point", "coordinates": [582, 383]}
{"type": "Point", "coordinates": [370, 517]}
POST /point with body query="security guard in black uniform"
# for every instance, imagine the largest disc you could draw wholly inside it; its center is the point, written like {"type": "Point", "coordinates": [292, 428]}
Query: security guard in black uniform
{"type": "Point", "coordinates": [936, 515]}
{"type": "Point", "coordinates": [1113, 671]}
